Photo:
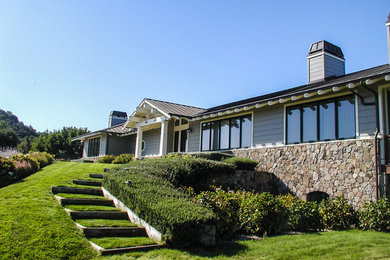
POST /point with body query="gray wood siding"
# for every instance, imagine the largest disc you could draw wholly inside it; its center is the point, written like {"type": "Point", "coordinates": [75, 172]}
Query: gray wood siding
{"type": "Point", "coordinates": [118, 145]}
{"type": "Point", "coordinates": [152, 142]}
{"type": "Point", "coordinates": [194, 137]}
{"type": "Point", "coordinates": [268, 125]}
{"type": "Point", "coordinates": [366, 114]}
{"type": "Point", "coordinates": [316, 68]}
{"type": "Point", "coordinates": [333, 67]}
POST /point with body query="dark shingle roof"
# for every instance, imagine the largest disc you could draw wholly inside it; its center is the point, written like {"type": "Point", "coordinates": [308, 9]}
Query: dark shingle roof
{"type": "Point", "coordinates": [175, 109]}
{"type": "Point", "coordinates": [117, 130]}
{"type": "Point", "coordinates": [329, 82]}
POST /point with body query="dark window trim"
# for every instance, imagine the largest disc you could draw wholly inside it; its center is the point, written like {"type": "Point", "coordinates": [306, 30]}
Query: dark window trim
{"type": "Point", "coordinates": [219, 132]}
{"type": "Point", "coordinates": [317, 104]}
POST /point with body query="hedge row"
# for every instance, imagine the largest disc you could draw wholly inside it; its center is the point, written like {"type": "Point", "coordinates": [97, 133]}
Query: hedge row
{"type": "Point", "coordinates": [189, 172]}
{"type": "Point", "coordinates": [158, 202]}
{"type": "Point", "coordinates": [261, 214]}
{"type": "Point", "coordinates": [21, 165]}
{"type": "Point", "coordinates": [214, 156]}
{"type": "Point", "coordinates": [120, 159]}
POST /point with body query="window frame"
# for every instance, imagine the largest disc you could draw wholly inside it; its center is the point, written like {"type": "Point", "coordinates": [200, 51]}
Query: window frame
{"type": "Point", "coordinates": [317, 103]}
{"type": "Point", "coordinates": [218, 121]}
{"type": "Point", "coordinates": [93, 147]}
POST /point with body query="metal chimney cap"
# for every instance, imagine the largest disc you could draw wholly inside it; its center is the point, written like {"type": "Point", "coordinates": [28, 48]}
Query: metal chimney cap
{"type": "Point", "coordinates": [325, 47]}
{"type": "Point", "coordinates": [118, 114]}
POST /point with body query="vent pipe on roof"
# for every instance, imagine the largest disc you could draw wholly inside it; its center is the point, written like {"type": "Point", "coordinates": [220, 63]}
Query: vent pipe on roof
{"type": "Point", "coordinates": [116, 118]}
{"type": "Point", "coordinates": [324, 60]}
{"type": "Point", "coordinates": [388, 35]}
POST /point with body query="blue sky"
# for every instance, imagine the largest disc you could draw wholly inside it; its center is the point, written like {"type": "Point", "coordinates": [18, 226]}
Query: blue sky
{"type": "Point", "coordinates": [69, 63]}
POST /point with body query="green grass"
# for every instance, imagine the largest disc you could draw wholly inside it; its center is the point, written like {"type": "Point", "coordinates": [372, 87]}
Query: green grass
{"type": "Point", "coordinates": [353, 244]}
{"type": "Point", "coordinates": [91, 207]}
{"type": "Point", "coordinates": [33, 225]}
{"type": "Point", "coordinates": [116, 242]}
{"type": "Point", "coordinates": [105, 223]}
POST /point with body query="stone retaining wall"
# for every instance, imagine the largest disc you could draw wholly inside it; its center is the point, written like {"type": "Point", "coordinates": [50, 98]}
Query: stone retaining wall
{"type": "Point", "coordinates": [338, 168]}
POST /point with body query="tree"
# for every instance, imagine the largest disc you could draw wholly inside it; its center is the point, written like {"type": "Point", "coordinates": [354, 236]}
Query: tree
{"type": "Point", "coordinates": [8, 138]}
{"type": "Point", "coordinates": [59, 143]}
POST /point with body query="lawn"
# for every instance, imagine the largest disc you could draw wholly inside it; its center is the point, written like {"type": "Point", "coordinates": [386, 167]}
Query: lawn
{"type": "Point", "coordinates": [34, 226]}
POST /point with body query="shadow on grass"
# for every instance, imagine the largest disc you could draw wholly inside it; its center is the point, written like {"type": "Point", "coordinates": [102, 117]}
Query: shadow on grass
{"type": "Point", "coordinates": [227, 249]}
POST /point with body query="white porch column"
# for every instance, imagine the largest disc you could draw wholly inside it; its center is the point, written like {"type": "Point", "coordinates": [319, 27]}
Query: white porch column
{"type": "Point", "coordinates": [138, 143]}
{"type": "Point", "coordinates": [164, 138]}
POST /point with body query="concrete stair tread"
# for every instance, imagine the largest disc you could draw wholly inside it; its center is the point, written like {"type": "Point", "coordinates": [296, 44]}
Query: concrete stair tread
{"type": "Point", "coordinates": [93, 183]}
{"type": "Point", "coordinates": [122, 250]}
{"type": "Point", "coordinates": [76, 190]}
{"type": "Point", "coordinates": [84, 201]}
{"type": "Point", "coordinates": [113, 231]}
{"type": "Point", "coordinates": [96, 175]}
{"type": "Point", "coordinates": [97, 214]}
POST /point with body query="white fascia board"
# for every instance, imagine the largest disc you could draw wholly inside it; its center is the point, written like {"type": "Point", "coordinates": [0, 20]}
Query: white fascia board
{"type": "Point", "coordinates": [152, 121]}
{"type": "Point", "coordinates": [162, 112]}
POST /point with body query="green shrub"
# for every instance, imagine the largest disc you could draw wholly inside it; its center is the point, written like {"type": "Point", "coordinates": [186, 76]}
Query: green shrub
{"type": "Point", "coordinates": [241, 163]}
{"type": "Point", "coordinates": [302, 215]}
{"type": "Point", "coordinates": [337, 214]}
{"type": "Point", "coordinates": [190, 172]}
{"type": "Point", "coordinates": [261, 214]}
{"type": "Point", "coordinates": [106, 158]}
{"type": "Point", "coordinates": [27, 158]}
{"type": "Point", "coordinates": [123, 158]}
{"type": "Point", "coordinates": [158, 202]}
{"type": "Point", "coordinates": [6, 165]}
{"type": "Point", "coordinates": [214, 156]}
{"type": "Point", "coordinates": [43, 158]}
{"type": "Point", "coordinates": [375, 216]}
{"type": "Point", "coordinates": [226, 206]}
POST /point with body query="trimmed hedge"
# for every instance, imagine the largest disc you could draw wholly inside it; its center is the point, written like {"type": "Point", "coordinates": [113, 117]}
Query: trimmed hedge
{"type": "Point", "coordinates": [159, 203]}
{"type": "Point", "coordinates": [214, 156]}
{"type": "Point", "coordinates": [106, 159]}
{"type": "Point", "coordinates": [123, 158]}
{"type": "Point", "coordinates": [242, 163]}
{"type": "Point", "coordinates": [245, 212]}
{"type": "Point", "coordinates": [375, 216]}
{"type": "Point", "coordinates": [337, 214]}
{"type": "Point", "coordinates": [190, 172]}
{"type": "Point", "coordinates": [302, 215]}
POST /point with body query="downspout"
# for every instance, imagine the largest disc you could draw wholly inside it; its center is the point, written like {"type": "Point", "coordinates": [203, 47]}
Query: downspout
{"type": "Point", "coordinates": [375, 138]}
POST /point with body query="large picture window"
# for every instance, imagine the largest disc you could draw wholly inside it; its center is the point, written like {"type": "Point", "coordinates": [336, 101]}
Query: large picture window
{"type": "Point", "coordinates": [229, 133]}
{"type": "Point", "coordinates": [321, 121]}
{"type": "Point", "coordinates": [93, 147]}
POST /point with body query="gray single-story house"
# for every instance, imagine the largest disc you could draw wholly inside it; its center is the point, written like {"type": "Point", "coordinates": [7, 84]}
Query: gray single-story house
{"type": "Point", "coordinates": [329, 136]}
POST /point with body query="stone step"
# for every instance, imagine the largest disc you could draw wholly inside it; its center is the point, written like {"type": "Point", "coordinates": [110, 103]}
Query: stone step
{"type": "Point", "coordinates": [96, 175]}
{"type": "Point", "coordinates": [76, 201]}
{"type": "Point", "coordinates": [122, 250]}
{"type": "Point", "coordinates": [113, 231]}
{"type": "Point", "coordinates": [88, 182]}
{"type": "Point", "coordinates": [97, 214]}
{"type": "Point", "coordinates": [74, 190]}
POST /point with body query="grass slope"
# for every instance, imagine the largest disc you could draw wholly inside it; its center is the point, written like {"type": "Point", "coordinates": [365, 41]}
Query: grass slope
{"type": "Point", "coordinates": [33, 225]}
{"type": "Point", "coordinates": [353, 244]}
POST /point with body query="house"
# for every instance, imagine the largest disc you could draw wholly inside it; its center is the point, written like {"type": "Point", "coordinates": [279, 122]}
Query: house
{"type": "Point", "coordinates": [328, 137]}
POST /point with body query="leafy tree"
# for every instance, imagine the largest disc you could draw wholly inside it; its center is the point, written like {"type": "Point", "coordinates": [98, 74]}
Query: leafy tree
{"type": "Point", "coordinates": [8, 138]}
{"type": "Point", "coordinates": [58, 143]}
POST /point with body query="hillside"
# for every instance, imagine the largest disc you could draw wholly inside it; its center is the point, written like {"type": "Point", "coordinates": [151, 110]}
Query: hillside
{"type": "Point", "coordinates": [11, 122]}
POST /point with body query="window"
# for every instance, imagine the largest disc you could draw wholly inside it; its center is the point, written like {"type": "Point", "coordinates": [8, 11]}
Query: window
{"type": "Point", "coordinates": [93, 147]}
{"type": "Point", "coordinates": [180, 142]}
{"type": "Point", "coordinates": [227, 134]}
{"type": "Point", "coordinates": [321, 121]}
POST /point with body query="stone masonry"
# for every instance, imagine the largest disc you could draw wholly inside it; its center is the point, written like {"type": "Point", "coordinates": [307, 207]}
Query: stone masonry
{"type": "Point", "coordinates": [338, 168]}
